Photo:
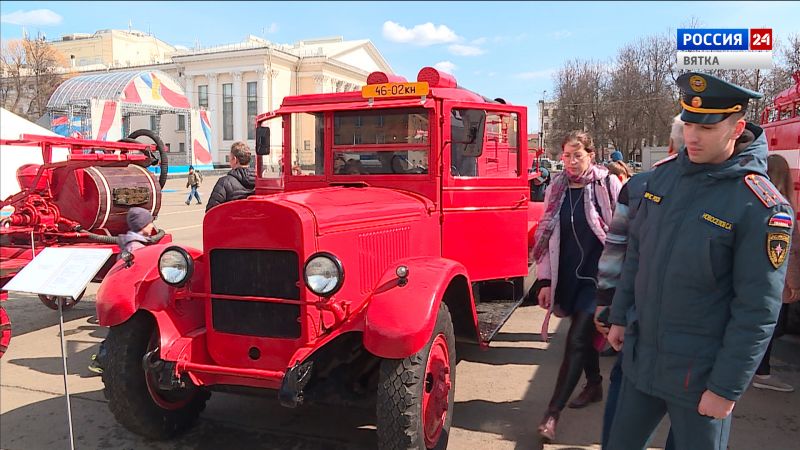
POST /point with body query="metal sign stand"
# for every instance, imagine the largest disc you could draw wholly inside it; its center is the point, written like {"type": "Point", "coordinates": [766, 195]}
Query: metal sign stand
{"type": "Point", "coordinates": [61, 273]}
{"type": "Point", "coordinates": [64, 361]}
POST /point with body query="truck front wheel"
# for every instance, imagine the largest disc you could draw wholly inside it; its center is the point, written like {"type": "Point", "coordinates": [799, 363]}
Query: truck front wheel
{"type": "Point", "coordinates": [415, 394]}
{"type": "Point", "coordinates": [133, 394]}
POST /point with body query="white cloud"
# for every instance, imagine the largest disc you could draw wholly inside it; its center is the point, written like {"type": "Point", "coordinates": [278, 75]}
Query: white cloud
{"type": "Point", "coordinates": [535, 74]}
{"type": "Point", "coordinates": [422, 35]}
{"type": "Point", "coordinates": [560, 34]}
{"type": "Point", "coordinates": [445, 66]}
{"type": "Point", "coordinates": [271, 28]}
{"type": "Point", "coordinates": [479, 41]}
{"type": "Point", "coordinates": [465, 50]}
{"type": "Point", "coordinates": [40, 17]}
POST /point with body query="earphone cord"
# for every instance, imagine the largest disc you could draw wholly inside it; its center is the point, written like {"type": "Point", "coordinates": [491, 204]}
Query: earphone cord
{"type": "Point", "coordinates": [577, 241]}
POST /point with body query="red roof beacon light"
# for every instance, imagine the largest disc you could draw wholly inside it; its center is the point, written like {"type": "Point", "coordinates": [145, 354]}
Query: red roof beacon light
{"type": "Point", "coordinates": [381, 77]}
{"type": "Point", "coordinates": [436, 78]}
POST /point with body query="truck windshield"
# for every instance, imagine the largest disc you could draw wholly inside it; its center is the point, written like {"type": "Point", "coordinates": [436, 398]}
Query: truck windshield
{"type": "Point", "coordinates": [377, 142]}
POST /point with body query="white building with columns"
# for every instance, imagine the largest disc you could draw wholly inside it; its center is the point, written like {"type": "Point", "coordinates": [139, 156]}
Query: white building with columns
{"type": "Point", "coordinates": [236, 82]}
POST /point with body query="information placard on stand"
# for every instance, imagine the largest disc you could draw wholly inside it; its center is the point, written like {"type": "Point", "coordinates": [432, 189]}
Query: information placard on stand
{"type": "Point", "coordinates": [59, 271]}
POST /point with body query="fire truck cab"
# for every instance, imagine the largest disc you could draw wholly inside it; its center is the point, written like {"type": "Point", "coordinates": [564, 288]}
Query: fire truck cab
{"type": "Point", "coordinates": [387, 225]}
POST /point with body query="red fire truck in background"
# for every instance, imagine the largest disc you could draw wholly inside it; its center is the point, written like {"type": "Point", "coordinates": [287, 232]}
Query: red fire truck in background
{"type": "Point", "coordinates": [387, 225]}
{"type": "Point", "coordinates": [781, 123]}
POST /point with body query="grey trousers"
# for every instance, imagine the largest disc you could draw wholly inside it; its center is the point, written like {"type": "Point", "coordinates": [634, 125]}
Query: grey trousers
{"type": "Point", "coordinates": [638, 414]}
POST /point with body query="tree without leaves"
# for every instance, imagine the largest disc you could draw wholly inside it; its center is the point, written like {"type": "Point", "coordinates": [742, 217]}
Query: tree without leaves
{"type": "Point", "coordinates": [31, 73]}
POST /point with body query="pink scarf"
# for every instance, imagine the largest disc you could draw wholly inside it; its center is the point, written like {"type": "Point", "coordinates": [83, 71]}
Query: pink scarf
{"type": "Point", "coordinates": [558, 188]}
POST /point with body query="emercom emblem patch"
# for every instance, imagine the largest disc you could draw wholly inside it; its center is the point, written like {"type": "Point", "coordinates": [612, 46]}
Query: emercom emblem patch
{"type": "Point", "coordinates": [777, 248]}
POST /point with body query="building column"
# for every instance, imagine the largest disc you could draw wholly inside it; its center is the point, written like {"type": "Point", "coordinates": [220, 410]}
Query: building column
{"type": "Point", "coordinates": [215, 115]}
{"type": "Point", "coordinates": [272, 74]}
{"type": "Point", "coordinates": [238, 112]}
{"type": "Point", "coordinates": [261, 91]}
{"type": "Point", "coordinates": [188, 86]}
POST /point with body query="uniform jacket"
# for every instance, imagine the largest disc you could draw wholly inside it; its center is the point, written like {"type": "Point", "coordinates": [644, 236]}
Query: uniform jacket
{"type": "Point", "coordinates": [697, 270]}
{"type": "Point", "coordinates": [610, 266]}
{"type": "Point", "coordinates": [237, 184]}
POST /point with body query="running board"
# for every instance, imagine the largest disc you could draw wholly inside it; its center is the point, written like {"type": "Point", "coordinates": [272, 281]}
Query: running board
{"type": "Point", "coordinates": [493, 315]}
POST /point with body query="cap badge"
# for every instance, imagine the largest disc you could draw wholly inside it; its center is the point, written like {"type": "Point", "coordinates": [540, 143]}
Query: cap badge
{"type": "Point", "coordinates": [697, 83]}
{"type": "Point", "coordinates": [697, 102]}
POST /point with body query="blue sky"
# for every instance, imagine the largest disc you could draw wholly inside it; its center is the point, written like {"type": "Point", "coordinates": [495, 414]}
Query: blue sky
{"type": "Point", "coordinates": [499, 49]}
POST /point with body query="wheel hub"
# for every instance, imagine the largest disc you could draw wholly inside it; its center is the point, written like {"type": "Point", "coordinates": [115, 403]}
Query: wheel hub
{"type": "Point", "coordinates": [436, 392]}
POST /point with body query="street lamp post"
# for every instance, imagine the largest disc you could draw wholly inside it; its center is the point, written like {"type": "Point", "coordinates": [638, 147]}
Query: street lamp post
{"type": "Point", "coordinates": [541, 118]}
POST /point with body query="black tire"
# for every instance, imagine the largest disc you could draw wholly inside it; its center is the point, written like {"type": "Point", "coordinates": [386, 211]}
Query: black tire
{"type": "Point", "coordinates": [126, 389]}
{"type": "Point", "coordinates": [400, 393]}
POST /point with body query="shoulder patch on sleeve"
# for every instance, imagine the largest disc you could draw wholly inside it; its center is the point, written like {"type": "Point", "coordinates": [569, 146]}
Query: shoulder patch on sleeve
{"type": "Point", "coordinates": [665, 160]}
{"type": "Point", "coordinates": [764, 190]}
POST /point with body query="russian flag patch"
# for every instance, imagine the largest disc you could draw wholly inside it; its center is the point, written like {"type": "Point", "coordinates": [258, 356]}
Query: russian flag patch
{"type": "Point", "coordinates": [780, 220]}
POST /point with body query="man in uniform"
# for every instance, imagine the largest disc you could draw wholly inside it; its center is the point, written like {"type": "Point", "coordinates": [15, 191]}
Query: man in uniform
{"type": "Point", "coordinates": [704, 274]}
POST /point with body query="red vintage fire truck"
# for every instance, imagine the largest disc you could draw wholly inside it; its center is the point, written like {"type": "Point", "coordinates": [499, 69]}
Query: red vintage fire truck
{"type": "Point", "coordinates": [781, 123]}
{"type": "Point", "coordinates": [387, 225]}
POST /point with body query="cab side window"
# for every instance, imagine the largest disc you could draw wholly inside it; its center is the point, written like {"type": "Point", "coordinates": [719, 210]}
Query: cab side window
{"type": "Point", "coordinates": [484, 144]}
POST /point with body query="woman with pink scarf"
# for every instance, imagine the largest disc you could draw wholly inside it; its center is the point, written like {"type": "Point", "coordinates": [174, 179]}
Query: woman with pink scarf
{"type": "Point", "coordinates": [579, 204]}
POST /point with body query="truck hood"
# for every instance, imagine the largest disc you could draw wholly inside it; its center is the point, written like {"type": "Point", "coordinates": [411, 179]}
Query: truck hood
{"type": "Point", "coordinates": [342, 208]}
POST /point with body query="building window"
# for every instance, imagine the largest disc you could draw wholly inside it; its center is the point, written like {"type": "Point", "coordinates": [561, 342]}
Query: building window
{"type": "Point", "coordinates": [181, 122]}
{"type": "Point", "coordinates": [202, 96]}
{"type": "Point", "coordinates": [227, 111]}
{"type": "Point", "coordinates": [153, 123]}
{"type": "Point", "coordinates": [181, 147]}
{"type": "Point", "coordinates": [252, 105]}
{"type": "Point", "coordinates": [358, 121]}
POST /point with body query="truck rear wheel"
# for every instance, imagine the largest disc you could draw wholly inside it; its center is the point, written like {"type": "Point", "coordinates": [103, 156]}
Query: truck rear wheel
{"type": "Point", "coordinates": [415, 394]}
{"type": "Point", "coordinates": [133, 394]}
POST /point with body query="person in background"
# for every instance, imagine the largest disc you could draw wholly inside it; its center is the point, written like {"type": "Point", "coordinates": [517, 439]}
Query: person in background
{"type": "Point", "coordinates": [578, 204]}
{"type": "Point", "coordinates": [780, 175]}
{"type": "Point", "coordinates": [620, 170]}
{"type": "Point", "coordinates": [610, 270]}
{"type": "Point", "coordinates": [538, 185]}
{"type": "Point", "coordinates": [140, 228]}
{"type": "Point", "coordinates": [193, 181]}
{"type": "Point", "coordinates": [616, 155]}
{"type": "Point", "coordinates": [237, 184]}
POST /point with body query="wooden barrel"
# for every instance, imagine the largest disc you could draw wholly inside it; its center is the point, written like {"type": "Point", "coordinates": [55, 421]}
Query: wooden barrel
{"type": "Point", "coordinates": [98, 198]}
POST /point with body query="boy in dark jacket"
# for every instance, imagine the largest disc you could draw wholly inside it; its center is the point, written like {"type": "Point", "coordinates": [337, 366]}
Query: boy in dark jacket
{"type": "Point", "coordinates": [239, 183]}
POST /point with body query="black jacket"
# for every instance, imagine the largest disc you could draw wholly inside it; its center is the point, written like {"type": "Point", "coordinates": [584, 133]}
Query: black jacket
{"type": "Point", "coordinates": [239, 183]}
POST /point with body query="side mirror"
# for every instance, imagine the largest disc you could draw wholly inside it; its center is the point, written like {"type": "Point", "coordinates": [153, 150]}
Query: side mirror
{"type": "Point", "coordinates": [475, 121]}
{"type": "Point", "coordinates": [262, 140]}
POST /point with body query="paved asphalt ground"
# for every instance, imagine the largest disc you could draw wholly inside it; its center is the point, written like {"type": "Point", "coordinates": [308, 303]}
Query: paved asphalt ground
{"type": "Point", "coordinates": [500, 393]}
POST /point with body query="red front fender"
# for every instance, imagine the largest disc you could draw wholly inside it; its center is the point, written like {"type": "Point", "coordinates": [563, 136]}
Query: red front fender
{"type": "Point", "coordinates": [399, 320]}
{"type": "Point", "coordinates": [125, 290]}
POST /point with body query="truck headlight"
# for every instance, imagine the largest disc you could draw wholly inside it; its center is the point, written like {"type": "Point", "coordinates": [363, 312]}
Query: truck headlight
{"type": "Point", "coordinates": [324, 274]}
{"type": "Point", "coordinates": [175, 266]}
